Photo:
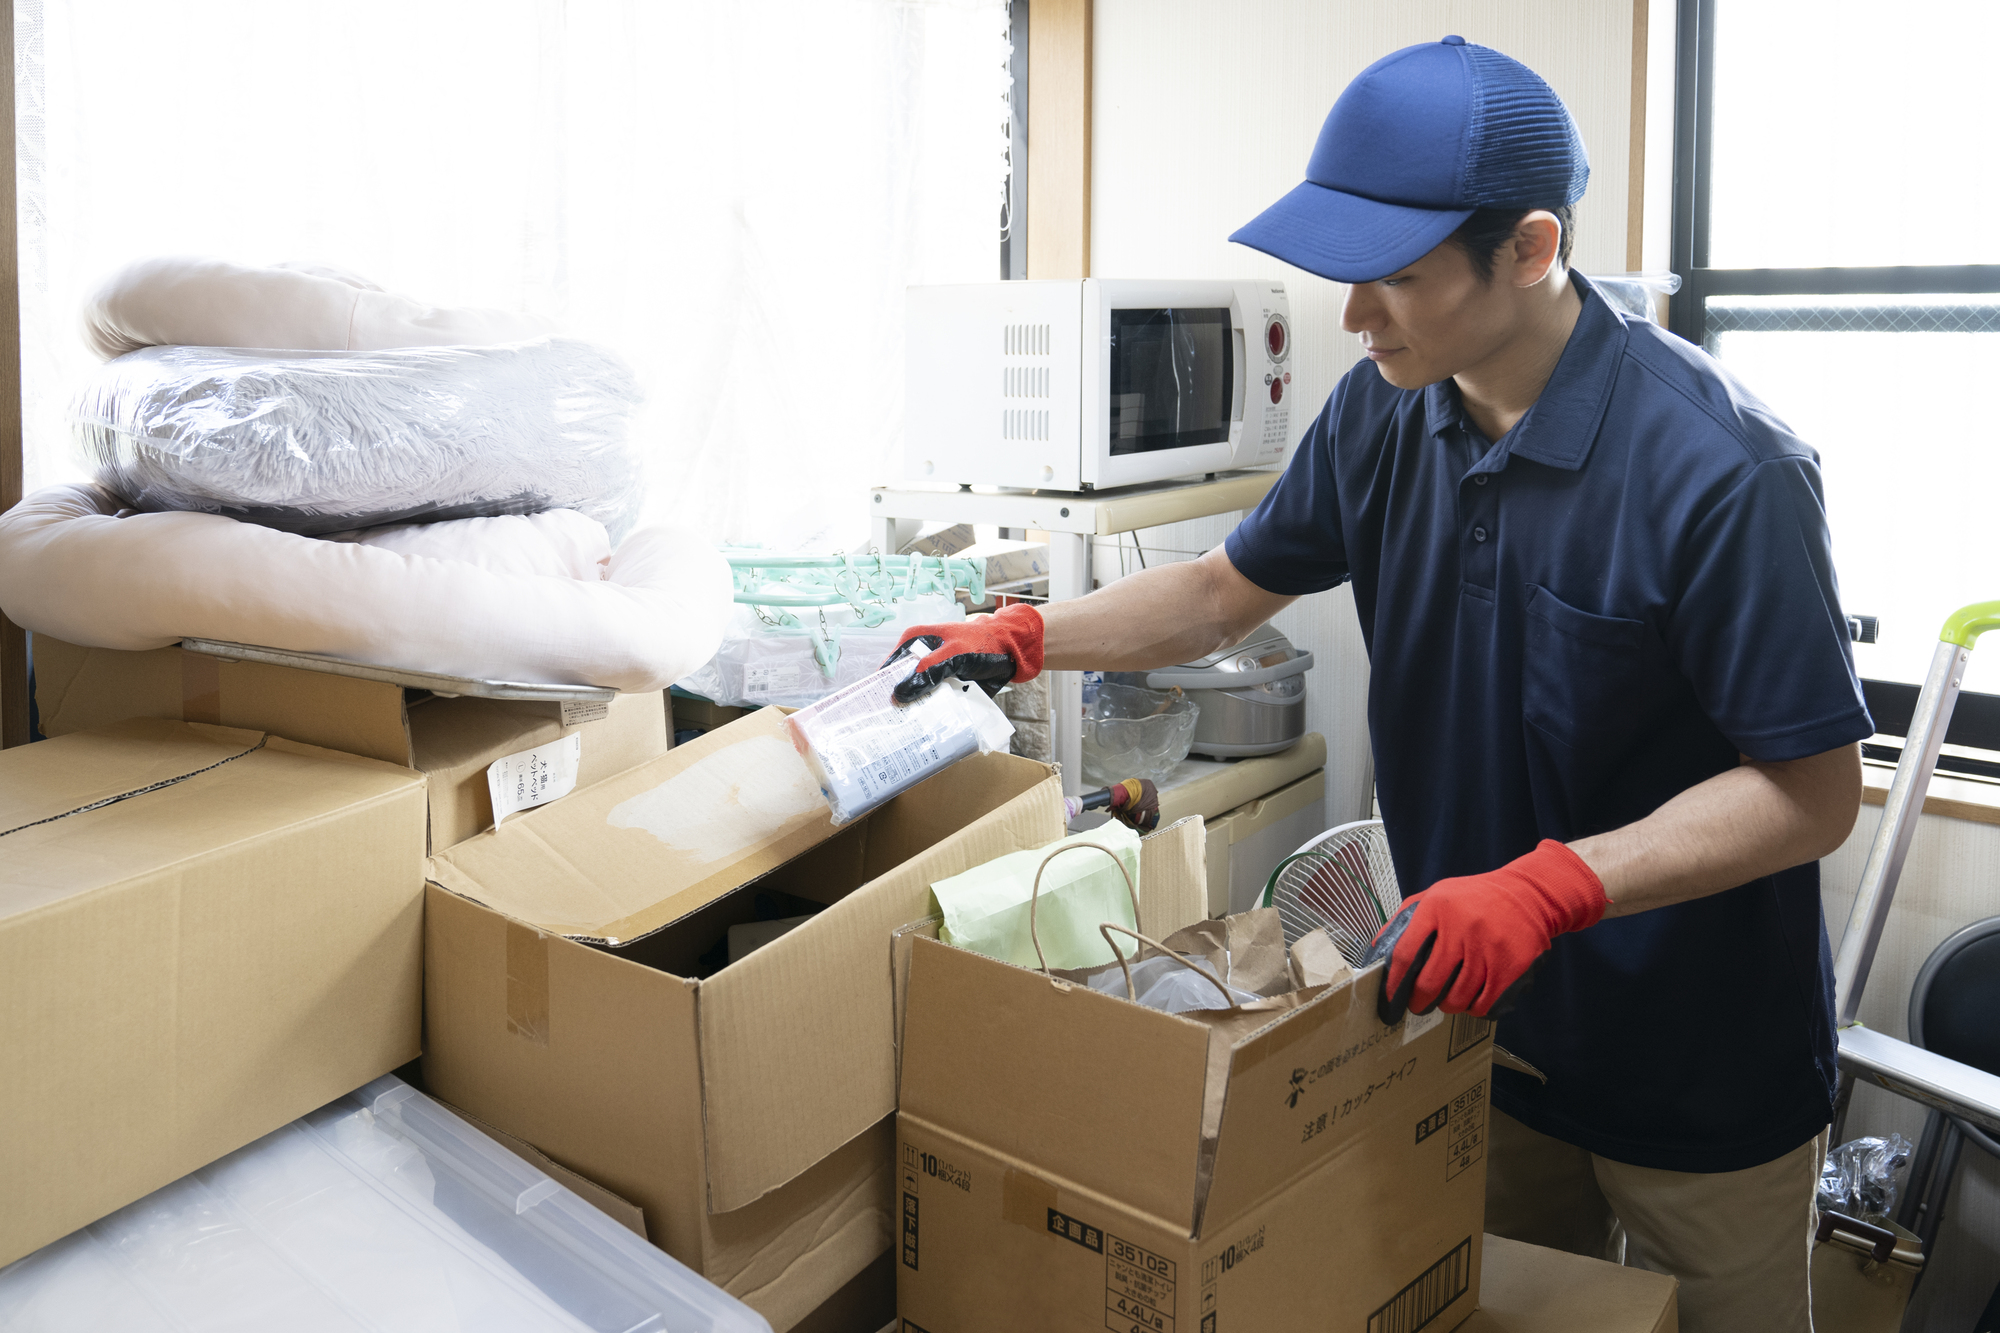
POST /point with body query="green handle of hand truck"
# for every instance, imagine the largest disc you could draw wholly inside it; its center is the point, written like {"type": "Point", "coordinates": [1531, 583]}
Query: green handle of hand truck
{"type": "Point", "coordinates": [1966, 624]}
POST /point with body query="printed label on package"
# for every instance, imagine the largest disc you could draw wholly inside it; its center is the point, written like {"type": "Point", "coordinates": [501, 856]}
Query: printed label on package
{"type": "Point", "coordinates": [1138, 1289]}
{"type": "Point", "coordinates": [771, 681]}
{"type": "Point", "coordinates": [533, 777]}
{"type": "Point", "coordinates": [576, 712]}
{"type": "Point", "coordinates": [1466, 1121]}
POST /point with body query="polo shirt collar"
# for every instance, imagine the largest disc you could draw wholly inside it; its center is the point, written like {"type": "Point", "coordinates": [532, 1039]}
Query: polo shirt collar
{"type": "Point", "coordinates": [1560, 428]}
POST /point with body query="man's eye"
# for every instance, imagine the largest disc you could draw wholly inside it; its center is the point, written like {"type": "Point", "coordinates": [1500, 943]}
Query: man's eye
{"type": "Point", "coordinates": [1394, 282]}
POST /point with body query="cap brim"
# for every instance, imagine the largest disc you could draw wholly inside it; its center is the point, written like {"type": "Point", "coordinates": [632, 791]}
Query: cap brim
{"type": "Point", "coordinates": [1345, 237]}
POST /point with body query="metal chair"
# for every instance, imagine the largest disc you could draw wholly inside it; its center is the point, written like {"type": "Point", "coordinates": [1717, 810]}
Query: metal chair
{"type": "Point", "coordinates": [1952, 1005]}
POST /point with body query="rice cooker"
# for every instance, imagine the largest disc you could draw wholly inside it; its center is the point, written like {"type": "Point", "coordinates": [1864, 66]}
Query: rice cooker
{"type": "Point", "coordinates": [1252, 697]}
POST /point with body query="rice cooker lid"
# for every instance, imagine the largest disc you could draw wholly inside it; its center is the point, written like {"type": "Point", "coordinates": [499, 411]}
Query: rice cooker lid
{"type": "Point", "coordinates": [1265, 647]}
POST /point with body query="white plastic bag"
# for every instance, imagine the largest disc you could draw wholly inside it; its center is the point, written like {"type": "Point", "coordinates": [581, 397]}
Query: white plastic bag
{"type": "Point", "coordinates": [760, 664]}
{"type": "Point", "coordinates": [863, 747]}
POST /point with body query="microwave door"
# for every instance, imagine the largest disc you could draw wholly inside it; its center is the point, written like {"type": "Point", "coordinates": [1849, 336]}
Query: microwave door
{"type": "Point", "coordinates": [1174, 382]}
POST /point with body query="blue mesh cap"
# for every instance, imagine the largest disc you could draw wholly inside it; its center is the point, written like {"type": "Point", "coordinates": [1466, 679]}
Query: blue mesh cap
{"type": "Point", "coordinates": [1420, 139]}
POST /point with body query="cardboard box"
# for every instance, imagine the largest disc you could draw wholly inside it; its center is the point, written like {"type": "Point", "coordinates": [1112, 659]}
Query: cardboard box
{"type": "Point", "coordinates": [451, 740]}
{"type": "Point", "coordinates": [1528, 1289]}
{"type": "Point", "coordinates": [1053, 1171]}
{"type": "Point", "coordinates": [748, 1110]}
{"type": "Point", "coordinates": [204, 933]}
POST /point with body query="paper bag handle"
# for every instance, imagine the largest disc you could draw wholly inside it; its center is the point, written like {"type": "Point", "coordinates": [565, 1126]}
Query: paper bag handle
{"type": "Point", "coordinates": [1035, 893]}
{"type": "Point", "coordinates": [1107, 927]}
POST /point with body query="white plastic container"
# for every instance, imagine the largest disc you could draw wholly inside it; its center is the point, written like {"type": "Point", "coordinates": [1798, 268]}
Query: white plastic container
{"type": "Point", "coordinates": [381, 1212]}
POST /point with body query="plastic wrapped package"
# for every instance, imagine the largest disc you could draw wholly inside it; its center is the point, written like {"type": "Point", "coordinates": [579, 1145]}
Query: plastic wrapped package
{"type": "Point", "coordinates": [381, 1212]}
{"type": "Point", "coordinates": [1636, 294]}
{"type": "Point", "coordinates": [323, 442]}
{"type": "Point", "coordinates": [1859, 1177]}
{"type": "Point", "coordinates": [760, 664]}
{"type": "Point", "coordinates": [863, 747]}
{"type": "Point", "coordinates": [1130, 732]}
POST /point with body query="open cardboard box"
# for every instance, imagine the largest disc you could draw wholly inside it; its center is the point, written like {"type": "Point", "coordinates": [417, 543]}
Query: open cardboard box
{"type": "Point", "coordinates": [1054, 1172]}
{"type": "Point", "coordinates": [204, 933]}
{"type": "Point", "coordinates": [575, 996]}
{"type": "Point", "coordinates": [452, 741]}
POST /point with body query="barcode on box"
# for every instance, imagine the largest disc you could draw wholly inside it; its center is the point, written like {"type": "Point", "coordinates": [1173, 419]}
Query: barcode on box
{"type": "Point", "coordinates": [1426, 1298]}
{"type": "Point", "coordinates": [1467, 1031]}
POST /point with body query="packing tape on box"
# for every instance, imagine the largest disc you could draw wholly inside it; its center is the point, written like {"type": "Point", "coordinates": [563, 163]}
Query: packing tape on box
{"type": "Point", "coordinates": [201, 688]}
{"type": "Point", "coordinates": [1026, 1199]}
{"type": "Point", "coordinates": [527, 983]}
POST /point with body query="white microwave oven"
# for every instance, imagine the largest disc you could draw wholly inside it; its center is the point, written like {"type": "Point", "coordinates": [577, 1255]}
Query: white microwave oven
{"type": "Point", "coordinates": [1098, 382]}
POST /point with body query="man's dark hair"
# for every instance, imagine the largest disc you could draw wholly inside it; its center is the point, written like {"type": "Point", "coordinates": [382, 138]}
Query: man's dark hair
{"type": "Point", "coordinates": [1481, 235]}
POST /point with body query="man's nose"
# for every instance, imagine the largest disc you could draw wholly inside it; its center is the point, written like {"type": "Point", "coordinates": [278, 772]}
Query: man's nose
{"type": "Point", "coordinates": [1361, 311]}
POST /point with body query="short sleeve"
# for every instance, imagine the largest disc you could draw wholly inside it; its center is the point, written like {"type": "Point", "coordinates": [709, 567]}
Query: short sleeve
{"type": "Point", "coordinates": [1758, 630]}
{"type": "Point", "coordinates": [1292, 544]}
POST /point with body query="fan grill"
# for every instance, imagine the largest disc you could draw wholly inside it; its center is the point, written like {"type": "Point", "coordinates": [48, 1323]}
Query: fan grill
{"type": "Point", "coordinates": [1342, 882]}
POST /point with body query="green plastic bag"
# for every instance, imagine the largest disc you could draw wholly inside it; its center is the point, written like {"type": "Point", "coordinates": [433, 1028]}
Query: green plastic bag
{"type": "Point", "coordinates": [985, 910]}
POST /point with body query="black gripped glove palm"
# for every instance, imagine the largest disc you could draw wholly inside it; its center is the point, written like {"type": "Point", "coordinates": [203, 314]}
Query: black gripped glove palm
{"type": "Point", "coordinates": [989, 651]}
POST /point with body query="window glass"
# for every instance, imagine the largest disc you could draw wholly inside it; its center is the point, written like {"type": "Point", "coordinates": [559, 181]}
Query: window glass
{"type": "Point", "coordinates": [1893, 393]}
{"type": "Point", "coordinates": [1849, 133]}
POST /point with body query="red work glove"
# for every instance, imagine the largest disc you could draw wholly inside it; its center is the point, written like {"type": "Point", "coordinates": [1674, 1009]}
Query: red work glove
{"type": "Point", "coordinates": [1462, 943]}
{"type": "Point", "coordinates": [990, 651]}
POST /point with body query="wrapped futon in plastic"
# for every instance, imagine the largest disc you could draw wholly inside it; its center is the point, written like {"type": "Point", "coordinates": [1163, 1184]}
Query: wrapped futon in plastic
{"type": "Point", "coordinates": [329, 441]}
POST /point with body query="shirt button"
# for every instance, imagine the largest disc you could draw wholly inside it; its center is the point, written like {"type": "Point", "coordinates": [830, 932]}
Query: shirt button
{"type": "Point", "coordinates": [1479, 480]}
{"type": "Point", "coordinates": [1479, 534]}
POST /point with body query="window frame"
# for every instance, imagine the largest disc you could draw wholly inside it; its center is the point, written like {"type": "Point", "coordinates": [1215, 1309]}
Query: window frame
{"type": "Point", "coordinates": [1976, 721]}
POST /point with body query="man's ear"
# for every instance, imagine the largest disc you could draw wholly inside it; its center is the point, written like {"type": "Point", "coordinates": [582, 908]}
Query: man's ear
{"type": "Point", "coordinates": [1537, 242]}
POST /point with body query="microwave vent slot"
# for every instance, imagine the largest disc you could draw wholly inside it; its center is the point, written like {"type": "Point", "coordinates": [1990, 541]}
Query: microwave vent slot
{"type": "Point", "coordinates": [1021, 423]}
{"type": "Point", "coordinates": [1025, 339]}
{"type": "Point", "coordinates": [1024, 382]}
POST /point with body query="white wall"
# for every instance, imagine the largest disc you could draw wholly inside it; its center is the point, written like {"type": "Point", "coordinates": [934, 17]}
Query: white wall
{"type": "Point", "coordinates": [1951, 880]}
{"type": "Point", "coordinates": [1205, 111]}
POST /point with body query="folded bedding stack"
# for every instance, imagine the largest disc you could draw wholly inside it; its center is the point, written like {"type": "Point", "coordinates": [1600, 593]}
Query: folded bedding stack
{"type": "Point", "coordinates": [294, 458]}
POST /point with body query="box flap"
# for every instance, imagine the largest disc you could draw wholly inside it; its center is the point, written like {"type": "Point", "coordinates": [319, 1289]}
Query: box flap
{"type": "Point", "coordinates": [77, 689]}
{"type": "Point", "coordinates": [798, 1044]}
{"type": "Point", "coordinates": [1098, 1091]}
{"type": "Point", "coordinates": [618, 860]}
{"type": "Point", "coordinates": [82, 811]}
{"type": "Point", "coordinates": [1330, 1057]}
{"type": "Point", "coordinates": [1528, 1289]}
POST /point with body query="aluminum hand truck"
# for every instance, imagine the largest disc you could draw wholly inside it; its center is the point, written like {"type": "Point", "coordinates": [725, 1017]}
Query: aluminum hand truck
{"type": "Point", "coordinates": [1906, 1070]}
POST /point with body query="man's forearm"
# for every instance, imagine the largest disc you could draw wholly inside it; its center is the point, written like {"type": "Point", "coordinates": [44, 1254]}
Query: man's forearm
{"type": "Point", "coordinates": [1156, 618]}
{"type": "Point", "coordinates": [1754, 820]}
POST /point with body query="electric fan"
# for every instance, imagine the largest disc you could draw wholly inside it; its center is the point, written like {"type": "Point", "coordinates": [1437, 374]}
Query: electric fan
{"type": "Point", "coordinates": [1342, 882]}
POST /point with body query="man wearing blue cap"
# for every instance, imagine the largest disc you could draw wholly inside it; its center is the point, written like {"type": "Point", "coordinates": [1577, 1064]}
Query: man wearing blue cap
{"type": "Point", "coordinates": [1612, 702]}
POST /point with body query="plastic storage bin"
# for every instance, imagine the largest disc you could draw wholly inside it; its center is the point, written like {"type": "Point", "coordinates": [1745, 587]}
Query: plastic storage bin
{"type": "Point", "coordinates": [383, 1212]}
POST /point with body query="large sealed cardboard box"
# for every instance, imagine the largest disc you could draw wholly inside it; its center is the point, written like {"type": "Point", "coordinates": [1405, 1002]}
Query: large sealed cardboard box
{"type": "Point", "coordinates": [1528, 1289]}
{"type": "Point", "coordinates": [452, 741]}
{"type": "Point", "coordinates": [1054, 1173]}
{"type": "Point", "coordinates": [204, 933]}
{"type": "Point", "coordinates": [580, 996]}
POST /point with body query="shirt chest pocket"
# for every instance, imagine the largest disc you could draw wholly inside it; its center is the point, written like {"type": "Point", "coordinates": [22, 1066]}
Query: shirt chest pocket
{"type": "Point", "coordinates": [1594, 683]}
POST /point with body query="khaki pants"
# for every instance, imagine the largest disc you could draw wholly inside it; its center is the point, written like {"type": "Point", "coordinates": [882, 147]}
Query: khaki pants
{"type": "Point", "coordinates": [1739, 1241]}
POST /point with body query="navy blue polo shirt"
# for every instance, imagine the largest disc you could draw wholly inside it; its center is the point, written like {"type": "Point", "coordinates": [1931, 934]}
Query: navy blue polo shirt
{"type": "Point", "coordinates": [1567, 628]}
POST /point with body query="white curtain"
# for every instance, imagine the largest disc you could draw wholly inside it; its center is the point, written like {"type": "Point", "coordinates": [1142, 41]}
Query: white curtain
{"type": "Point", "coordinates": [732, 195]}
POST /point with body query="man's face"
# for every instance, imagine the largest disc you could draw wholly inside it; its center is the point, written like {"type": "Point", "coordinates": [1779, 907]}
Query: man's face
{"type": "Point", "coordinates": [1432, 319]}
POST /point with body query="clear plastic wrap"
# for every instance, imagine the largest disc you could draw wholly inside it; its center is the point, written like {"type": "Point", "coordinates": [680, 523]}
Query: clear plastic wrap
{"type": "Point", "coordinates": [1131, 732]}
{"type": "Point", "coordinates": [1859, 1178]}
{"type": "Point", "coordinates": [1636, 294]}
{"type": "Point", "coordinates": [863, 747]}
{"type": "Point", "coordinates": [760, 664]}
{"type": "Point", "coordinates": [380, 1213]}
{"type": "Point", "coordinates": [323, 442]}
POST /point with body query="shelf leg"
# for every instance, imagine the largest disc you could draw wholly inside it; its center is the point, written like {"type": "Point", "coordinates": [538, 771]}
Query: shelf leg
{"type": "Point", "coordinates": [1069, 576]}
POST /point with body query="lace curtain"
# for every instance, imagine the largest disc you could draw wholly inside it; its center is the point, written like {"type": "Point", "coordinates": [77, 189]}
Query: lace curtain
{"type": "Point", "coordinates": [732, 195]}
